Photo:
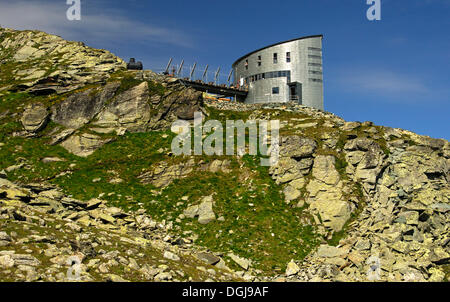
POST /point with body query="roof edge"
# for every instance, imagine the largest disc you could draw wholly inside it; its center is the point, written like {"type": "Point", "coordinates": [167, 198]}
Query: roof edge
{"type": "Point", "coordinates": [279, 43]}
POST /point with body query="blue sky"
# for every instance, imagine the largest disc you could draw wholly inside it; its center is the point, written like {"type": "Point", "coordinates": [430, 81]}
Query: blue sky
{"type": "Point", "coordinates": [394, 72]}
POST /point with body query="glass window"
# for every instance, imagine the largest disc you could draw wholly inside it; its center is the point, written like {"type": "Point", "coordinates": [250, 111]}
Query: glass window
{"type": "Point", "coordinates": [275, 58]}
{"type": "Point", "coordinates": [275, 90]}
{"type": "Point", "coordinates": [288, 57]}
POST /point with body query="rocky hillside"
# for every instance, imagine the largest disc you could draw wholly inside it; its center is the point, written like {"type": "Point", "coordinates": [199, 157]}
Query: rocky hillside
{"type": "Point", "coordinates": [44, 232]}
{"type": "Point", "coordinates": [85, 148]}
{"type": "Point", "coordinates": [42, 64]}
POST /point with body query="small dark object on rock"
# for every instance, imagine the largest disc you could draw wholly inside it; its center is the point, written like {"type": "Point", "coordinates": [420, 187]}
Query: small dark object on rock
{"type": "Point", "coordinates": [133, 65]}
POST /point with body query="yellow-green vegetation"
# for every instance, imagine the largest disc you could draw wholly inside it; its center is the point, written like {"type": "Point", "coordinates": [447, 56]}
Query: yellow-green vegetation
{"type": "Point", "coordinates": [128, 80]}
{"type": "Point", "coordinates": [257, 224]}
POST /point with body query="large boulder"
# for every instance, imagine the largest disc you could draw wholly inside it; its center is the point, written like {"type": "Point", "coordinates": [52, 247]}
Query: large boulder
{"type": "Point", "coordinates": [297, 147]}
{"type": "Point", "coordinates": [204, 211]}
{"type": "Point", "coordinates": [180, 103]}
{"type": "Point", "coordinates": [163, 175]}
{"type": "Point", "coordinates": [79, 108]}
{"type": "Point", "coordinates": [292, 269]}
{"type": "Point", "coordinates": [35, 117]}
{"type": "Point", "coordinates": [83, 144]}
{"type": "Point", "coordinates": [370, 166]}
{"type": "Point", "coordinates": [361, 143]}
{"type": "Point", "coordinates": [129, 110]}
{"type": "Point", "coordinates": [288, 169]}
{"type": "Point", "coordinates": [324, 170]}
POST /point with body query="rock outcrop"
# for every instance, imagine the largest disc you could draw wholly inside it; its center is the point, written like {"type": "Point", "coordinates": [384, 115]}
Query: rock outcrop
{"type": "Point", "coordinates": [80, 108]}
{"type": "Point", "coordinates": [325, 194]}
{"type": "Point", "coordinates": [57, 65]}
{"type": "Point", "coordinates": [129, 110]}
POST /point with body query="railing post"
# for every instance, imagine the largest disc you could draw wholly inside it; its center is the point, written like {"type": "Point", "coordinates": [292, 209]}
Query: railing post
{"type": "Point", "coordinates": [168, 66]}
{"type": "Point", "coordinates": [181, 68]}
{"type": "Point", "coordinates": [192, 71]}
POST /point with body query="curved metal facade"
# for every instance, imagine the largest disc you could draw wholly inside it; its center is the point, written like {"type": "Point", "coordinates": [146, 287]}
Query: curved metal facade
{"type": "Point", "coordinates": [282, 72]}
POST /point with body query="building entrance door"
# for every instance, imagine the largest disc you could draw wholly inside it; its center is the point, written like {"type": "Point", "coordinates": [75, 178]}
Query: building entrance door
{"type": "Point", "coordinates": [295, 92]}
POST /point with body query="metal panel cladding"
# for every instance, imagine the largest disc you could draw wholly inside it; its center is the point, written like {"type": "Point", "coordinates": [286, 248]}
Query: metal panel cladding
{"type": "Point", "coordinates": [282, 72]}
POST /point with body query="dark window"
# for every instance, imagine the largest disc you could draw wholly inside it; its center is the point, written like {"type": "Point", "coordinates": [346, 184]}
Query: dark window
{"type": "Point", "coordinates": [269, 75]}
{"type": "Point", "coordinates": [275, 90]}
{"type": "Point", "coordinates": [288, 57]}
{"type": "Point", "coordinates": [275, 58]}
{"type": "Point", "coordinates": [246, 64]}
